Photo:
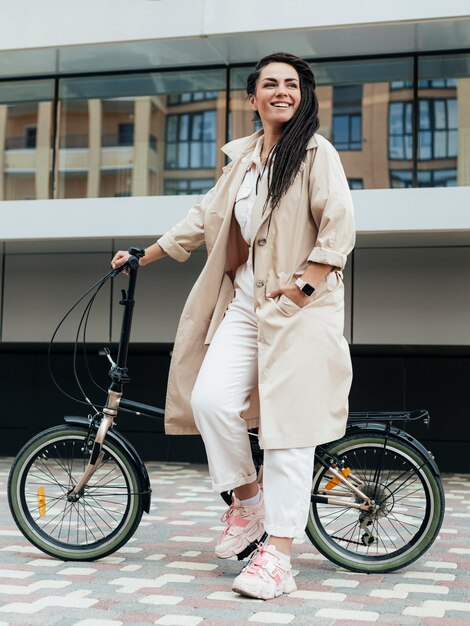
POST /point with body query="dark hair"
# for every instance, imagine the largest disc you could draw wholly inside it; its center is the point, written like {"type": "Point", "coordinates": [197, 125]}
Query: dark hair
{"type": "Point", "coordinates": [290, 149]}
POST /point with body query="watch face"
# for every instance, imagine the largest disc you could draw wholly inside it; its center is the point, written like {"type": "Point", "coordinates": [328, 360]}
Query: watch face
{"type": "Point", "coordinates": [308, 289]}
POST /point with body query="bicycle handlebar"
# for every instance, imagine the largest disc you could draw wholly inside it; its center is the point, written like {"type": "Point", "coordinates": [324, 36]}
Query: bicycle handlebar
{"type": "Point", "coordinates": [131, 263]}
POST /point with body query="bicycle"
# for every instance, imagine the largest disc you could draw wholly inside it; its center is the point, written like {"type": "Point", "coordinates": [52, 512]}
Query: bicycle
{"type": "Point", "coordinates": [78, 491]}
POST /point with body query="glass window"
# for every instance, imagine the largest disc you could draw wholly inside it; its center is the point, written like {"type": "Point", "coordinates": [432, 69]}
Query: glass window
{"type": "Point", "coordinates": [121, 134]}
{"type": "Point", "coordinates": [354, 98]}
{"type": "Point", "coordinates": [401, 179]}
{"type": "Point", "coordinates": [444, 102]}
{"type": "Point", "coordinates": [196, 96]}
{"type": "Point", "coordinates": [26, 131]}
{"type": "Point", "coordinates": [356, 183]}
{"type": "Point", "coordinates": [437, 129]}
{"type": "Point", "coordinates": [437, 178]}
{"type": "Point", "coordinates": [187, 186]}
{"type": "Point", "coordinates": [191, 140]}
{"type": "Point", "coordinates": [400, 136]}
{"type": "Point", "coordinates": [347, 117]}
{"type": "Point", "coordinates": [30, 133]}
{"type": "Point", "coordinates": [125, 134]}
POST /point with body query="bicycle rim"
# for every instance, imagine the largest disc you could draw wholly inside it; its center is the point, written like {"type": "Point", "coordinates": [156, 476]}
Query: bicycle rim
{"type": "Point", "coordinates": [101, 520]}
{"type": "Point", "coordinates": [408, 497]}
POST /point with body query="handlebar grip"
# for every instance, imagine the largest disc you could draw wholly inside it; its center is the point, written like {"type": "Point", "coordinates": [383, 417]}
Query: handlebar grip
{"type": "Point", "coordinates": [132, 262]}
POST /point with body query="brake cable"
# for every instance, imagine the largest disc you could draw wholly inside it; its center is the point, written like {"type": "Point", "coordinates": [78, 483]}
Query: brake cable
{"type": "Point", "coordinates": [97, 286]}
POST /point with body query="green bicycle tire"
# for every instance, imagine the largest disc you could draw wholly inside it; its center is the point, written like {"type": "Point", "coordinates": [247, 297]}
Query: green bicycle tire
{"type": "Point", "coordinates": [429, 528]}
{"type": "Point", "coordinates": [58, 438]}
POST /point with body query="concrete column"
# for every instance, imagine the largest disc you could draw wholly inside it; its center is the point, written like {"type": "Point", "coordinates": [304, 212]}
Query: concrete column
{"type": "Point", "coordinates": [463, 153]}
{"type": "Point", "coordinates": [43, 150]}
{"type": "Point", "coordinates": [140, 172]}
{"type": "Point", "coordinates": [3, 129]}
{"type": "Point", "coordinates": [95, 118]}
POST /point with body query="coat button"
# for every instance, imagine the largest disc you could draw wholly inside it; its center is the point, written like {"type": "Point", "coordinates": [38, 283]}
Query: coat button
{"type": "Point", "coordinates": [261, 242]}
{"type": "Point", "coordinates": [260, 283]}
{"type": "Point", "coordinates": [244, 160]}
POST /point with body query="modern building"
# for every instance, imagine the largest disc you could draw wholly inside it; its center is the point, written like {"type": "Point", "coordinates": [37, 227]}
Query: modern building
{"type": "Point", "coordinates": [112, 115]}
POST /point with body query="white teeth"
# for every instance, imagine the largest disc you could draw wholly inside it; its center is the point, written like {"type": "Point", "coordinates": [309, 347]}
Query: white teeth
{"type": "Point", "coordinates": [281, 105]}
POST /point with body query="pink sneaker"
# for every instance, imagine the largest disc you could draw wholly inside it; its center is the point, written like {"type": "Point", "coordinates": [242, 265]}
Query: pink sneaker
{"type": "Point", "coordinates": [265, 576]}
{"type": "Point", "coordinates": [245, 525]}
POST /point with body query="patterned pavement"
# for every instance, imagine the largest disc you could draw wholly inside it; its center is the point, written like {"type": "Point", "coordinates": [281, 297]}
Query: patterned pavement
{"type": "Point", "coordinates": [168, 574]}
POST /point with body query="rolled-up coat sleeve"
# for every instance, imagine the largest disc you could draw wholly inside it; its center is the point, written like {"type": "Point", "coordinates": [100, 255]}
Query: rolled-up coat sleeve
{"type": "Point", "coordinates": [188, 234]}
{"type": "Point", "coordinates": [332, 208]}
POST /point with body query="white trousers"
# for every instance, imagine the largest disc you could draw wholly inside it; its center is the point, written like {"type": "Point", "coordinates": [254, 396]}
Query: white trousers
{"type": "Point", "coordinates": [227, 376]}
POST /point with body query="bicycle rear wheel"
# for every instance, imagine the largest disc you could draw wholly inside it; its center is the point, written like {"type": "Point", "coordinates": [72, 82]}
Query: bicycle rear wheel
{"type": "Point", "coordinates": [408, 497]}
{"type": "Point", "coordinates": [102, 519]}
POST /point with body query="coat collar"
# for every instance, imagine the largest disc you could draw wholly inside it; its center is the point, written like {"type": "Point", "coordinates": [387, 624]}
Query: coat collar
{"type": "Point", "coordinates": [244, 145]}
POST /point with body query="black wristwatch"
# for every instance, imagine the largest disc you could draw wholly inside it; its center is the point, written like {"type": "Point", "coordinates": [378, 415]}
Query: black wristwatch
{"type": "Point", "coordinates": [304, 287]}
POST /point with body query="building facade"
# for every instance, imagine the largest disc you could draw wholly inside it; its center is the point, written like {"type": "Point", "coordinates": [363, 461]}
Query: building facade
{"type": "Point", "coordinates": [108, 136]}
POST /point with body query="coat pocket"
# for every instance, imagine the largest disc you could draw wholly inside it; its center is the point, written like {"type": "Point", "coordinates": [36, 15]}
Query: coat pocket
{"type": "Point", "coordinates": [286, 305]}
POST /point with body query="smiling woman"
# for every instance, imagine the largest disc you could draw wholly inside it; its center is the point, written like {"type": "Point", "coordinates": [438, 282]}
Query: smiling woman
{"type": "Point", "coordinates": [260, 341]}
{"type": "Point", "coordinates": [281, 91]}
{"type": "Point", "coordinates": [276, 98]}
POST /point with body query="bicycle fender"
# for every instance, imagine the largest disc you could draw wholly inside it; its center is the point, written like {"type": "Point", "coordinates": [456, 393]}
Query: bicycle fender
{"type": "Point", "coordinates": [120, 441]}
{"type": "Point", "coordinates": [377, 427]}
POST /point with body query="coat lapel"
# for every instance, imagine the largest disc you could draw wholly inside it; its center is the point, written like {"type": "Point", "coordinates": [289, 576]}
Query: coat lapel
{"type": "Point", "coordinates": [260, 214]}
{"type": "Point", "coordinates": [244, 147]}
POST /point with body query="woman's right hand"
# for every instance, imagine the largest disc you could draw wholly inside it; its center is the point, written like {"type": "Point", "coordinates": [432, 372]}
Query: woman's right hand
{"type": "Point", "coordinates": [121, 257]}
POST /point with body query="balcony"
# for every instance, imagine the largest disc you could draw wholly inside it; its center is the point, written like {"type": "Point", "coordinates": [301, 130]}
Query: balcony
{"type": "Point", "coordinates": [20, 143]}
{"type": "Point", "coordinates": [79, 140]}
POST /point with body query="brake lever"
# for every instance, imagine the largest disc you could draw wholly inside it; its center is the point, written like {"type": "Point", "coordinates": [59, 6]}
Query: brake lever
{"type": "Point", "coordinates": [109, 357]}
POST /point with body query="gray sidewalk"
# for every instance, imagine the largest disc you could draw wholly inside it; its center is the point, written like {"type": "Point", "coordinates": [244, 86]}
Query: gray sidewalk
{"type": "Point", "coordinates": [168, 573]}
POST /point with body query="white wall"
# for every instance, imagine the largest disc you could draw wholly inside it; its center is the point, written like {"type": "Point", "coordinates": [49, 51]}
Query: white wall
{"type": "Point", "coordinates": [399, 294]}
{"type": "Point", "coordinates": [57, 23]}
{"type": "Point", "coordinates": [377, 211]}
{"type": "Point", "coordinates": [63, 37]}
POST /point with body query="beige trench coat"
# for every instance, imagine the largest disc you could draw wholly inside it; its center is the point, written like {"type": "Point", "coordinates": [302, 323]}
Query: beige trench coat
{"type": "Point", "coordinates": [304, 365]}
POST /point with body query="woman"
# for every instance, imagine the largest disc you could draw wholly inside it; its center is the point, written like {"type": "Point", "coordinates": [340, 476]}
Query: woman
{"type": "Point", "coordinates": [260, 341]}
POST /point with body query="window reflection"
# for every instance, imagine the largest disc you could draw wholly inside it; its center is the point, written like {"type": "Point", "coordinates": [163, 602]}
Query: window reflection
{"type": "Point", "coordinates": [347, 117]}
{"type": "Point", "coordinates": [400, 133]}
{"type": "Point", "coordinates": [437, 129]}
{"type": "Point", "coordinates": [187, 186]}
{"type": "Point", "coordinates": [26, 130]}
{"type": "Point", "coordinates": [161, 132]}
{"type": "Point", "coordinates": [402, 179]}
{"type": "Point", "coordinates": [444, 123]}
{"type": "Point", "coordinates": [191, 140]}
{"type": "Point", "coordinates": [123, 135]}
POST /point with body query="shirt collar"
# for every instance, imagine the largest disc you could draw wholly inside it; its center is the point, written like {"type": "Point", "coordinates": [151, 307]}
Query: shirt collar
{"type": "Point", "coordinates": [256, 155]}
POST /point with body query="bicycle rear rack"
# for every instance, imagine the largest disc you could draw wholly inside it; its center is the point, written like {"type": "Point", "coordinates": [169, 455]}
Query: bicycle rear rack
{"type": "Point", "coordinates": [389, 416]}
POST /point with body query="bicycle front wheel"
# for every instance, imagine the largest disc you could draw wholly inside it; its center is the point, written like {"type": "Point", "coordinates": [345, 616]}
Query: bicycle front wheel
{"type": "Point", "coordinates": [101, 520]}
{"type": "Point", "coordinates": [408, 504]}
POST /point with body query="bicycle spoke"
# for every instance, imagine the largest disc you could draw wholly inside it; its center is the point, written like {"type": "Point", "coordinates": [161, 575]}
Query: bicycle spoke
{"type": "Point", "coordinates": [98, 511]}
{"type": "Point", "coordinates": [395, 484]}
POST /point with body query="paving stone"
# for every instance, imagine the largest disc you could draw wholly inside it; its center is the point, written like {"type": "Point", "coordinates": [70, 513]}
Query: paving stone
{"type": "Point", "coordinates": [264, 617]}
{"type": "Point", "coordinates": [168, 573]}
{"type": "Point", "coordinates": [360, 616]}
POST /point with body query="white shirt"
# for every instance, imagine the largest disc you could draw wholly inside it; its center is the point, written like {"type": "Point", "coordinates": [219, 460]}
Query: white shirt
{"type": "Point", "coordinates": [244, 202]}
{"type": "Point", "coordinates": [246, 195]}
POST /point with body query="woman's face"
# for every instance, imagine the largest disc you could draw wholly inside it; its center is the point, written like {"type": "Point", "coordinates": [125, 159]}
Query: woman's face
{"type": "Point", "coordinates": [277, 95]}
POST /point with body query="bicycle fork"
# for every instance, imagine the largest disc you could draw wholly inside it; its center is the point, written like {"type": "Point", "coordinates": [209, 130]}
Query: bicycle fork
{"type": "Point", "coordinates": [97, 453]}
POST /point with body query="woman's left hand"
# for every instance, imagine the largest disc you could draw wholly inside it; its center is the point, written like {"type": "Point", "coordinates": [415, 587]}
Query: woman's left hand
{"type": "Point", "coordinates": [291, 292]}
